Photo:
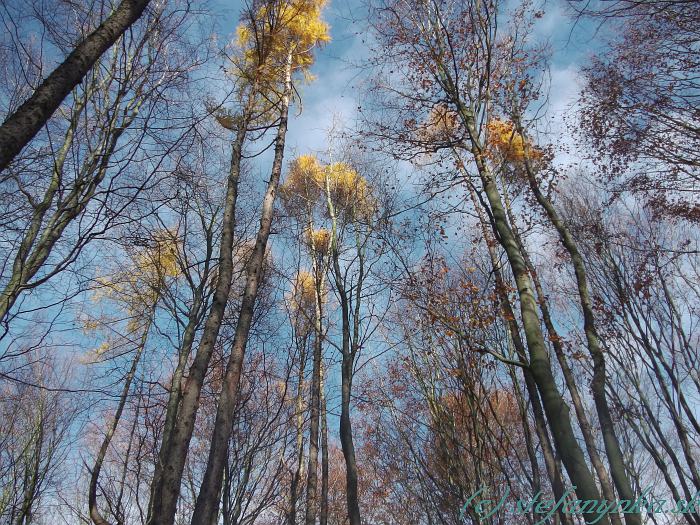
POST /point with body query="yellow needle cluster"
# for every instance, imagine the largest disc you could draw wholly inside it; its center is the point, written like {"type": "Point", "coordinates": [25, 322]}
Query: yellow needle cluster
{"type": "Point", "coordinates": [139, 285]}
{"type": "Point", "coordinates": [506, 141]}
{"type": "Point", "coordinates": [278, 28]}
{"type": "Point", "coordinates": [320, 240]}
{"type": "Point", "coordinates": [309, 183]}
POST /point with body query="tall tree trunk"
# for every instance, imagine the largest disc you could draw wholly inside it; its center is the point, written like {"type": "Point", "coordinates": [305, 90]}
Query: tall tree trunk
{"type": "Point", "coordinates": [551, 463]}
{"type": "Point", "coordinates": [612, 445]}
{"type": "Point", "coordinates": [174, 448]}
{"type": "Point", "coordinates": [21, 127]}
{"type": "Point", "coordinates": [569, 379]}
{"type": "Point", "coordinates": [346, 439]}
{"type": "Point", "coordinates": [207, 504]}
{"type": "Point", "coordinates": [174, 398]}
{"type": "Point", "coordinates": [312, 468]}
{"type": "Point", "coordinates": [323, 515]}
{"type": "Point", "coordinates": [556, 409]}
{"type": "Point", "coordinates": [299, 419]}
{"type": "Point", "coordinates": [349, 351]}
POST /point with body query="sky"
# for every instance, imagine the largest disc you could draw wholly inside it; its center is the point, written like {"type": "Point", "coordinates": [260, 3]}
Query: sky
{"type": "Point", "coordinates": [335, 93]}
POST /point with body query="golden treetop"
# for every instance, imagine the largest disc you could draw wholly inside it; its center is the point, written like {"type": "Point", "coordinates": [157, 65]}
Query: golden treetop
{"type": "Point", "coordinates": [319, 240]}
{"type": "Point", "coordinates": [140, 283]}
{"type": "Point", "coordinates": [304, 288]}
{"type": "Point", "coordinates": [310, 183]}
{"type": "Point", "coordinates": [304, 181]}
{"type": "Point", "coordinates": [506, 141]}
{"type": "Point", "coordinates": [303, 297]}
{"type": "Point", "coordinates": [278, 28]}
{"type": "Point", "coordinates": [349, 191]}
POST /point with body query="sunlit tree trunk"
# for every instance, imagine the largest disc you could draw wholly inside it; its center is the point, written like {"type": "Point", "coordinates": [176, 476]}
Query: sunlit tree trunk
{"type": "Point", "coordinates": [323, 515]}
{"type": "Point", "coordinates": [558, 415]}
{"type": "Point", "coordinates": [350, 338]}
{"type": "Point", "coordinates": [612, 446]}
{"type": "Point", "coordinates": [569, 379]}
{"type": "Point", "coordinates": [551, 461]}
{"type": "Point", "coordinates": [315, 403]}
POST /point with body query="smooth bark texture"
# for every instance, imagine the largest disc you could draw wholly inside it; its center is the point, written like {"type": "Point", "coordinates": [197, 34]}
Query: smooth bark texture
{"type": "Point", "coordinates": [349, 351]}
{"type": "Point", "coordinates": [552, 463]}
{"type": "Point", "coordinates": [314, 421]}
{"type": "Point", "coordinates": [207, 504]}
{"type": "Point", "coordinates": [558, 415]}
{"type": "Point", "coordinates": [612, 445]}
{"type": "Point", "coordinates": [323, 515]}
{"type": "Point", "coordinates": [567, 372]}
{"type": "Point", "coordinates": [21, 127]}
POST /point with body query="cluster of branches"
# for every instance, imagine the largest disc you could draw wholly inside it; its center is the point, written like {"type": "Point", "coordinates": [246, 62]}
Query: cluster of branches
{"type": "Point", "coordinates": [445, 310]}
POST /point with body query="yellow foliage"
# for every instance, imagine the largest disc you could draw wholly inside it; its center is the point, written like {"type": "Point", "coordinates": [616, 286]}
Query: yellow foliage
{"type": "Point", "coordinates": [139, 285]}
{"type": "Point", "coordinates": [505, 140]}
{"type": "Point", "coordinates": [95, 354]}
{"type": "Point", "coordinates": [305, 287]}
{"type": "Point", "coordinates": [103, 348]}
{"type": "Point", "coordinates": [304, 182]}
{"type": "Point", "coordinates": [303, 298]}
{"type": "Point", "coordinates": [309, 183]}
{"type": "Point", "coordinates": [320, 240]}
{"type": "Point", "coordinates": [282, 27]}
{"type": "Point", "coordinates": [349, 191]}
{"type": "Point", "coordinates": [160, 261]}
{"type": "Point", "coordinates": [90, 325]}
{"type": "Point", "coordinates": [226, 120]}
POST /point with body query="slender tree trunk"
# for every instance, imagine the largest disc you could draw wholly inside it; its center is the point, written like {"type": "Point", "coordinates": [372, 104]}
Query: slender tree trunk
{"type": "Point", "coordinates": [174, 398]}
{"type": "Point", "coordinates": [21, 127]}
{"type": "Point", "coordinates": [38, 243]}
{"type": "Point", "coordinates": [612, 445]}
{"type": "Point", "coordinates": [323, 515]}
{"type": "Point", "coordinates": [569, 379]}
{"type": "Point", "coordinates": [555, 408]}
{"type": "Point", "coordinates": [95, 514]}
{"type": "Point", "coordinates": [207, 504]}
{"type": "Point", "coordinates": [551, 464]}
{"type": "Point", "coordinates": [31, 472]}
{"type": "Point", "coordinates": [167, 487]}
{"type": "Point", "coordinates": [346, 441]}
{"type": "Point", "coordinates": [312, 468]}
{"type": "Point", "coordinates": [347, 365]}
{"type": "Point", "coordinates": [226, 511]}
{"type": "Point", "coordinates": [299, 417]}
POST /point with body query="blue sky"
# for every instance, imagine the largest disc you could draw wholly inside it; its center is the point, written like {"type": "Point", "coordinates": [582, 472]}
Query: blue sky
{"type": "Point", "coordinates": [335, 94]}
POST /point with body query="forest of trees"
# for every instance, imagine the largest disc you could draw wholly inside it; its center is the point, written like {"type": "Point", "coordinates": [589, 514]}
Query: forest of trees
{"type": "Point", "coordinates": [463, 297]}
